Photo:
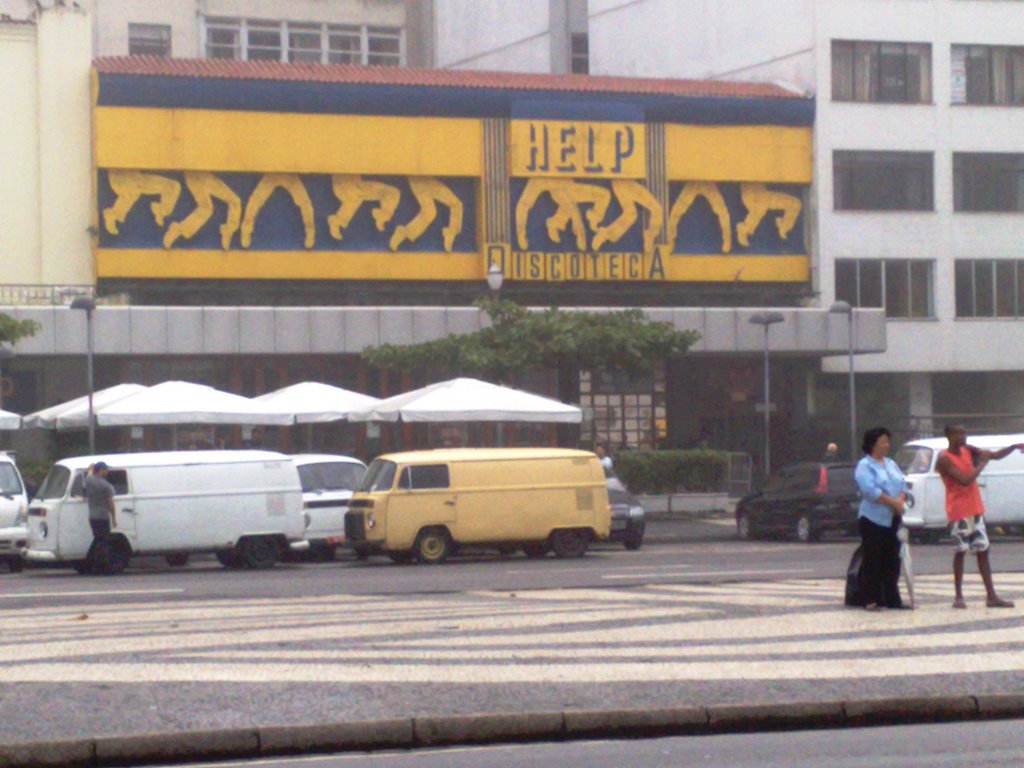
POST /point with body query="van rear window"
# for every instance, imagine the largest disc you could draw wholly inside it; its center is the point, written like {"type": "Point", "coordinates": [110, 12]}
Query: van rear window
{"type": "Point", "coordinates": [914, 459]}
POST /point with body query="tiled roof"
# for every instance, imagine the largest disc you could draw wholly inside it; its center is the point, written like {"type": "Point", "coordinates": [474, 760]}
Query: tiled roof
{"type": "Point", "coordinates": [455, 78]}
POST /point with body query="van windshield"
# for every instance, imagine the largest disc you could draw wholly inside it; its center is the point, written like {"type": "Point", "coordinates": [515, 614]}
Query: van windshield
{"type": "Point", "coordinates": [55, 484]}
{"type": "Point", "coordinates": [380, 476]}
{"type": "Point", "coordinates": [914, 459]}
{"type": "Point", "coordinates": [10, 483]}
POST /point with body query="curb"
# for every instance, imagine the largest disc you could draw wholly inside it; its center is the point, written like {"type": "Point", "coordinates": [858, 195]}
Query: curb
{"type": "Point", "coordinates": [498, 728]}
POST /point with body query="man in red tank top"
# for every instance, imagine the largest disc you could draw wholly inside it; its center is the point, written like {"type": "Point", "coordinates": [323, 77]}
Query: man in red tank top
{"type": "Point", "coordinates": [959, 465]}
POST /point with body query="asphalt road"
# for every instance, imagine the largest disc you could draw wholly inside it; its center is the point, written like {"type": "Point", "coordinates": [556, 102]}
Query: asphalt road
{"type": "Point", "coordinates": [703, 552]}
{"type": "Point", "coordinates": [978, 745]}
{"type": "Point", "coordinates": [705, 620]}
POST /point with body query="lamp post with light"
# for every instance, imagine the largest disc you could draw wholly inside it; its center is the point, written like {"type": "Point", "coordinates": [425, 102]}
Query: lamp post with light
{"type": "Point", "coordinates": [495, 278]}
{"type": "Point", "coordinates": [766, 320]}
{"type": "Point", "coordinates": [844, 308]}
{"type": "Point", "coordinates": [88, 305]}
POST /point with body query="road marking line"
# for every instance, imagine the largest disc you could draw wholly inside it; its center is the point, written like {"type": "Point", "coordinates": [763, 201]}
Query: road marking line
{"type": "Point", "coordinates": [24, 595]}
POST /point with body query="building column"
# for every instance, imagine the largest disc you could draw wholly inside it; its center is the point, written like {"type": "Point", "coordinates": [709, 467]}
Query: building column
{"type": "Point", "coordinates": [921, 408]}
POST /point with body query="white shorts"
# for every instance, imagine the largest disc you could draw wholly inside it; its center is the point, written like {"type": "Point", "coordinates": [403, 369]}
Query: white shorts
{"type": "Point", "coordinates": [970, 534]}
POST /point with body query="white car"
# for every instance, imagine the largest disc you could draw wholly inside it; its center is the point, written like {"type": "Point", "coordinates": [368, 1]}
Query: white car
{"type": "Point", "coordinates": [13, 514]}
{"type": "Point", "coordinates": [327, 485]}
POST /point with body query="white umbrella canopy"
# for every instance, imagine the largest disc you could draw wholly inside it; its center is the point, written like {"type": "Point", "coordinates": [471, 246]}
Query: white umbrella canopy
{"type": "Point", "coordinates": [78, 409]}
{"type": "Point", "coordinates": [312, 402]}
{"type": "Point", "coordinates": [182, 402]}
{"type": "Point", "coordinates": [9, 420]}
{"type": "Point", "coordinates": [469, 400]}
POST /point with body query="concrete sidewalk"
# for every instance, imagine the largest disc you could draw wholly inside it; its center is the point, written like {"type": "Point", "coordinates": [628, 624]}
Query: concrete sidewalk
{"type": "Point", "coordinates": [496, 728]}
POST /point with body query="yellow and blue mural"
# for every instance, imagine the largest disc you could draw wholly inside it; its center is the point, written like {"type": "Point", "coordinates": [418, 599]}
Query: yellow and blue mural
{"type": "Point", "coordinates": [207, 178]}
{"type": "Point", "coordinates": [286, 212]}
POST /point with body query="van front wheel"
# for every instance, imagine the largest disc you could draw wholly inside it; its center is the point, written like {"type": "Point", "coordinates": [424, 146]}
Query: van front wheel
{"type": "Point", "coordinates": [570, 542]}
{"type": "Point", "coordinates": [433, 546]}
{"type": "Point", "coordinates": [259, 553]}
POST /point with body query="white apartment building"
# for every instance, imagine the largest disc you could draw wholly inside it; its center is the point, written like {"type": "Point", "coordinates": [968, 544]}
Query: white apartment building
{"type": "Point", "coordinates": [919, 169]}
{"type": "Point", "coordinates": [372, 32]}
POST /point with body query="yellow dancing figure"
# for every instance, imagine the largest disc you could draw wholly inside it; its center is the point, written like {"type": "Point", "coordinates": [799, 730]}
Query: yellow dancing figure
{"type": "Point", "coordinates": [428, 192]}
{"type": "Point", "coordinates": [352, 191]}
{"type": "Point", "coordinates": [129, 186]}
{"type": "Point", "coordinates": [759, 200]}
{"type": "Point", "coordinates": [688, 196]}
{"type": "Point", "coordinates": [631, 196]}
{"type": "Point", "coordinates": [568, 196]}
{"type": "Point", "coordinates": [271, 182]}
{"type": "Point", "coordinates": [205, 188]}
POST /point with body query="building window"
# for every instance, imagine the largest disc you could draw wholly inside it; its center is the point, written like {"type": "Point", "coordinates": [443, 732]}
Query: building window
{"type": "Point", "coordinates": [305, 43]}
{"type": "Point", "coordinates": [251, 40]}
{"type": "Point", "coordinates": [987, 74]}
{"type": "Point", "coordinates": [149, 40]}
{"type": "Point", "coordinates": [344, 45]}
{"type": "Point", "coordinates": [383, 46]}
{"type": "Point", "coordinates": [988, 181]}
{"type": "Point", "coordinates": [881, 72]}
{"type": "Point", "coordinates": [989, 288]}
{"type": "Point", "coordinates": [625, 410]}
{"type": "Point", "coordinates": [903, 287]}
{"type": "Point", "coordinates": [223, 39]}
{"type": "Point", "coordinates": [883, 181]}
{"type": "Point", "coordinates": [263, 41]}
{"type": "Point", "coordinates": [580, 60]}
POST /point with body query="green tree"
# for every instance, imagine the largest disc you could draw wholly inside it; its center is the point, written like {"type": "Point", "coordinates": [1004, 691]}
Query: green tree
{"type": "Point", "coordinates": [518, 339]}
{"type": "Point", "coordinates": [12, 331]}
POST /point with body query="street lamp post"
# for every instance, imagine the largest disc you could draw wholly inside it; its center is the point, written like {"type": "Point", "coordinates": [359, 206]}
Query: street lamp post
{"type": "Point", "coordinates": [88, 305]}
{"type": "Point", "coordinates": [766, 320]}
{"type": "Point", "coordinates": [844, 308]}
{"type": "Point", "coordinates": [495, 278]}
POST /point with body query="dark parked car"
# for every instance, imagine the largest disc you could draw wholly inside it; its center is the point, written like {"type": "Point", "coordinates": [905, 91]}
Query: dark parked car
{"type": "Point", "coordinates": [627, 514]}
{"type": "Point", "coordinates": [803, 501]}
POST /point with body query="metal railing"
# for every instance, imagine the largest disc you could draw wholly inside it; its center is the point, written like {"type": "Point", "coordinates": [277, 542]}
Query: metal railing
{"type": "Point", "coordinates": [36, 295]}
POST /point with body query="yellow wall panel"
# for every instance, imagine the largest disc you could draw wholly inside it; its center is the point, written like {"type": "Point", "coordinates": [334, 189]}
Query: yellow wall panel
{"type": "Point", "coordinates": [768, 153]}
{"type": "Point", "coordinates": [287, 265]}
{"type": "Point", "coordinates": [214, 140]}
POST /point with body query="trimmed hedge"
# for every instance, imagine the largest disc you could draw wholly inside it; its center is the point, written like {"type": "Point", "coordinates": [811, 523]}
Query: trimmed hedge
{"type": "Point", "coordinates": [671, 471]}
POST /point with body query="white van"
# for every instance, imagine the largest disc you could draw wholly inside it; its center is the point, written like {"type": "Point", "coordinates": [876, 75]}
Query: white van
{"type": "Point", "coordinates": [327, 485]}
{"type": "Point", "coordinates": [1001, 483]}
{"type": "Point", "coordinates": [13, 509]}
{"type": "Point", "coordinates": [244, 506]}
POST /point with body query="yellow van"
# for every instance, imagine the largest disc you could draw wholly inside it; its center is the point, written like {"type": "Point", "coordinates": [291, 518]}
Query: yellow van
{"type": "Point", "coordinates": [423, 505]}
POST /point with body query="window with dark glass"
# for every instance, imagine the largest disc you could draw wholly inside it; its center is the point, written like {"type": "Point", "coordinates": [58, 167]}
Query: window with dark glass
{"type": "Point", "coordinates": [988, 181]}
{"type": "Point", "coordinates": [424, 477]}
{"type": "Point", "coordinates": [883, 181]}
{"type": "Point", "coordinates": [580, 53]}
{"type": "Point", "coordinates": [149, 40]}
{"type": "Point", "coordinates": [989, 287]}
{"type": "Point", "coordinates": [987, 74]}
{"type": "Point", "coordinates": [902, 286]}
{"type": "Point", "coordinates": [264, 41]}
{"type": "Point", "coordinates": [881, 72]}
{"type": "Point", "coordinates": [384, 46]}
{"type": "Point", "coordinates": [305, 43]}
{"type": "Point", "coordinates": [223, 39]}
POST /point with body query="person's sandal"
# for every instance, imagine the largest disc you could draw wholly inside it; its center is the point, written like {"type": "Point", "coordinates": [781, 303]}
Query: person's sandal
{"type": "Point", "coordinates": [874, 607]}
{"type": "Point", "coordinates": [999, 603]}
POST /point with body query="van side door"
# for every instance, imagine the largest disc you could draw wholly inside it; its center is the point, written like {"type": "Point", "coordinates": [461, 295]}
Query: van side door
{"type": "Point", "coordinates": [422, 497]}
{"type": "Point", "coordinates": [124, 503]}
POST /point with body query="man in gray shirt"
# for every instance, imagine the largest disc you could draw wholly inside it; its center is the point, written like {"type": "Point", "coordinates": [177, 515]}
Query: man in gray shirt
{"type": "Point", "coordinates": [100, 495]}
